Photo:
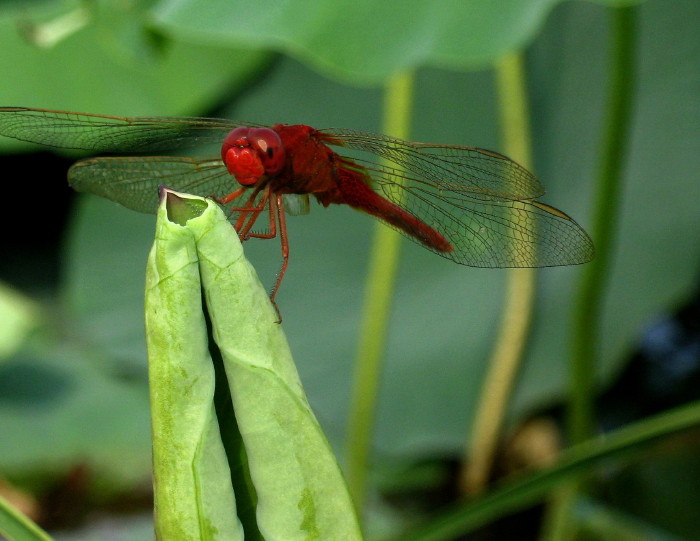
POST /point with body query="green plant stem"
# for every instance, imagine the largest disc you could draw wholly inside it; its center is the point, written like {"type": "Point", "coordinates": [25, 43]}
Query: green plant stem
{"type": "Point", "coordinates": [379, 292]}
{"type": "Point", "coordinates": [18, 527]}
{"type": "Point", "coordinates": [572, 464]}
{"type": "Point", "coordinates": [589, 302]}
{"type": "Point", "coordinates": [517, 314]}
{"type": "Point", "coordinates": [586, 339]}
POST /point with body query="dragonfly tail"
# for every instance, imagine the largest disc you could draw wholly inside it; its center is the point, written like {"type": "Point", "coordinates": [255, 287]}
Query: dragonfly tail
{"type": "Point", "coordinates": [358, 194]}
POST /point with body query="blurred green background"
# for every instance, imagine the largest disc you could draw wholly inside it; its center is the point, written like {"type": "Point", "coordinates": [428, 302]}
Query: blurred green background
{"type": "Point", "coordinates": [73, 386]}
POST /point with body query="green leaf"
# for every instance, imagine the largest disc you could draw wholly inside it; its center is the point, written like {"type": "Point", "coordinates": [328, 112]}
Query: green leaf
{"type": "Point", "coordinates": [364, 41]}
{"type": "Point", "coordinates": [109, 64]}
{"type": "Point", "coordinates": [301, 492]}
{"type": "Point", "coordinates": [572, 463]}
{"type": "Point", "coordinates": [19, 315]}
{"type": "Point", "coordinates": [16, 527]}
{"type": "Point", "coordinates": [193, 495]}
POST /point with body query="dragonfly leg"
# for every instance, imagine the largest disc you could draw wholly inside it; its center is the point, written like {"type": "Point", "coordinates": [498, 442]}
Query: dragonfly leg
{"type": "Point", "coordinates": [248, 211]}
{"type": "Point", "coordinates": [225, 200]}
{"type": "Point", "coordinates": [244, 210]}
{"type": "Point", "coordinates": [268, 201]}
{"type": "Point", "coordinates": [249, 214]}
{"type": "Point", "coordinates": [277, 208]}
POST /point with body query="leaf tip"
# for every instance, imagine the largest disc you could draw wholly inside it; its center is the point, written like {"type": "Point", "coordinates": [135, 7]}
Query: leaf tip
{"type": "Point", "coordinates": [179, 207]}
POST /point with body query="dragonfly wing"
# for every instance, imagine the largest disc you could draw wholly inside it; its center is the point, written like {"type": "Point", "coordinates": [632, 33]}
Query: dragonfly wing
{"type": "Point", "coordinates": [133, 182]}
{"type": "Point", "coordinates": [296, 204]}
{"type": "Point", "coordinates": [104, 133]}
{"type": "Point", "coordinates": [487, 231]}
{"type": "Point", "coordinates": [471, 170]}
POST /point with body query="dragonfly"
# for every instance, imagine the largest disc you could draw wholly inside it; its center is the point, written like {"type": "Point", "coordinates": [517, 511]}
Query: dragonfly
{"type": "Point", "coordinates": [473, 206]}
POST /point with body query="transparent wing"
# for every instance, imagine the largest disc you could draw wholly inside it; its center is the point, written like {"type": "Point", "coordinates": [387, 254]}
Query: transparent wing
{"type": "Point", "coordinates": [482, 202]}
{"type": "Point", "coordinates": [488, 232]}
{"type": "Point", "coordinates": [133, 181]}
{"type": "Point", "coordinates": [472, 171]}
{"type": "Point", "coordinates": [113, 134]}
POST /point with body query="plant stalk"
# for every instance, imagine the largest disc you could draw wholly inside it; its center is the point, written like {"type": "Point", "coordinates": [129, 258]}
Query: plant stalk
{"type": "Point", "coordinates": [512, 337]}
{"type": "Point", "coordinates": [591, 294]}
{"type": "Point", "coordinates": [379, 291]}
{"type": "Point", "coordinates": [580, 415]}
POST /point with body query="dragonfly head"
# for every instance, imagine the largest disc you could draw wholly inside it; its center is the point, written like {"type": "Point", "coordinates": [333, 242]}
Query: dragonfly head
{"type": "Point", "coordinates": [251, 153]}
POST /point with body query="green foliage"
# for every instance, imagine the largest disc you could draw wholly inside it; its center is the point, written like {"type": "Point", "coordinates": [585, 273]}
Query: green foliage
{"type": "Point", "coordinates": [363, 41]}
{"type": "Point", "coordinates": [101, 57]}
{"type": "Point", "coordinates": [300, 491]}
{"type": "Point", "coordinates": [18, 527]}
{"type": "Point", "coordinates": [572, 464]}
{"type": "Point", "coordinates": [78, 380]}
{"type": "Point", "coordinates": [193, 496]}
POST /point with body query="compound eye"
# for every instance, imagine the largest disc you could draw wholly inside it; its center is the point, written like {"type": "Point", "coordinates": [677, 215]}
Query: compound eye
{"type": "Point", "coordinates": [269, 147]}
{"type": "Point", "coordinates": [241, 159]}
{"type": "Point", "coordinates": [235, 138]}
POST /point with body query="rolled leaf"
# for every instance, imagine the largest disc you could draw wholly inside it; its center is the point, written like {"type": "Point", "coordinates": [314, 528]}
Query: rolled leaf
{"type": "Point", "coordinates": [194, 499]}
{"type": "Point", "coordinates": [301, 491]}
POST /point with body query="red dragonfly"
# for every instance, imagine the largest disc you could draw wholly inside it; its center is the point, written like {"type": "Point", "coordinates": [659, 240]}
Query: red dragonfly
{"type": "Point", "coordinates": [473, 206]}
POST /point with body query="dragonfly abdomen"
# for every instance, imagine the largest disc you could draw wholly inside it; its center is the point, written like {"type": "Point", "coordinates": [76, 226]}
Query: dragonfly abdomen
{"type": "Point", "coordinates": [357, 193]}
